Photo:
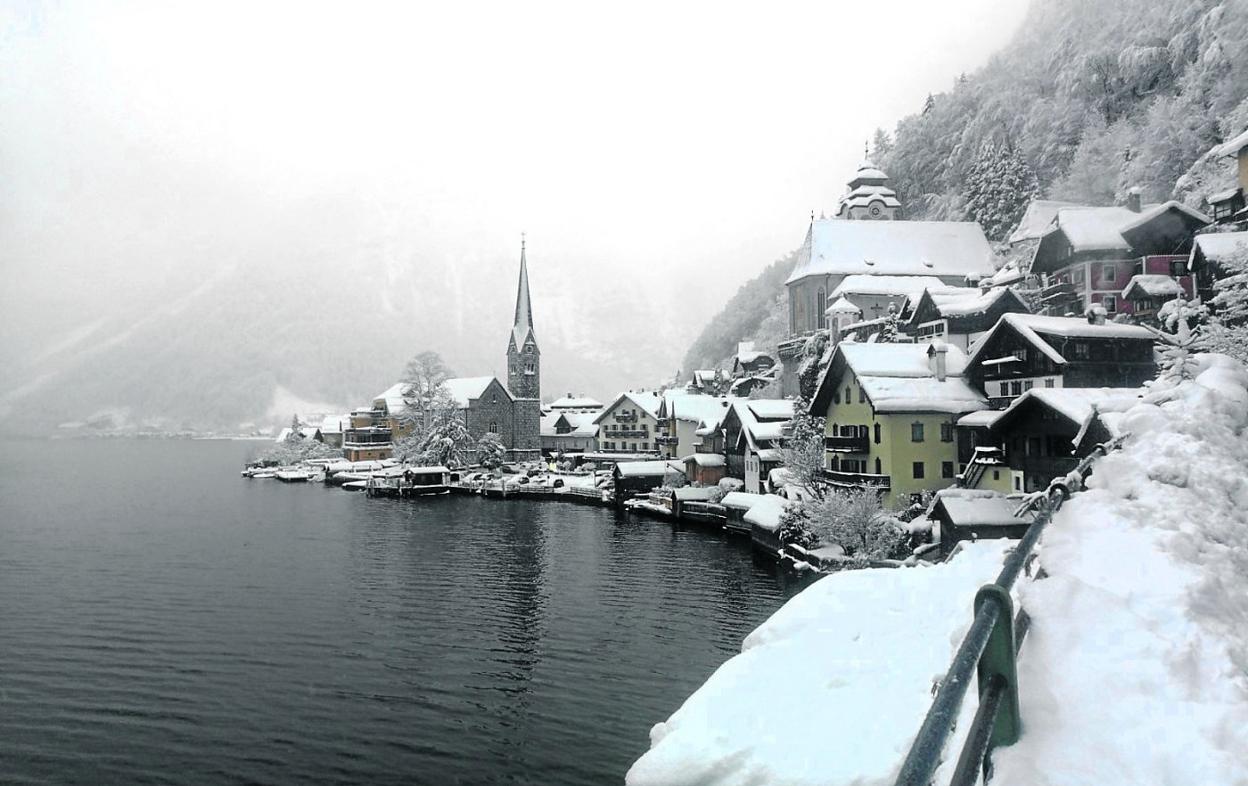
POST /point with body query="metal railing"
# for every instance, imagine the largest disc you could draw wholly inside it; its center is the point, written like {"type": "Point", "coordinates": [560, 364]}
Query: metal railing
{"type": "Point", "coordinates": [990, 649]}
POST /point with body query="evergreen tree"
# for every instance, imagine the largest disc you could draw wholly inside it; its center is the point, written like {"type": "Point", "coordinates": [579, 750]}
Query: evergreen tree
{"type": "Point", "coordinates": [1178, 344]}
{"type": "Point", "coordinates": [890, 333]}
{"type": "Point", "coordinates": [491, 453]}
{"type": "Point", "coordinates": [447, 443]}
{"type": "Point", "coordinates": [998, 189]}
{"type": "Point", "coordinates": [1227, 331]}
{"type": "Point", "coordinates": [803, 450]}
{"type": "Point", "coordinates": [812, 365]}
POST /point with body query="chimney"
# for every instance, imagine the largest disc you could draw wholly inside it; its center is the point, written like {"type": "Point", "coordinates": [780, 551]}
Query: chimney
{"type": "Point", "coordinates": [1133, 200]}
{"type": "Point", "coordinates": [937, 359]}
{"type": "Point", "coordinates": [1096, 314]}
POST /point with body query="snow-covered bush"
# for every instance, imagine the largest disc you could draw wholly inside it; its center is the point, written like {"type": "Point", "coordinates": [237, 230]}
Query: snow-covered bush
{"type": "Point", "coordinates": [1227, 331]}
{"type": "Point", "coordinates": [803, 450]}
{"type": "Point", "coordinates": [491, 452]}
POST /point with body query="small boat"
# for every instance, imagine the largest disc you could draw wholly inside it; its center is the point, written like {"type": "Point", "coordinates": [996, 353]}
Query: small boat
{"type": "Point", "coordinates": [355, 485]}
{"type": "Point", "coordinates": [264, 475]}
{"type": "Point", "coordinates": [293, 475]}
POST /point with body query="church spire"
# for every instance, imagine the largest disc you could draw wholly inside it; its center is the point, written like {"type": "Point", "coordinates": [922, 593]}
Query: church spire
{"type": "Point", "coordinates": [523, 325]}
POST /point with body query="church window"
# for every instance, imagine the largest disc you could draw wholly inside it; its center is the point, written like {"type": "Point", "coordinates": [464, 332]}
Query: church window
{"type": "Point", "coordinates": [821, 304]}
{"type": "Point", "coordinates": [494, 426]}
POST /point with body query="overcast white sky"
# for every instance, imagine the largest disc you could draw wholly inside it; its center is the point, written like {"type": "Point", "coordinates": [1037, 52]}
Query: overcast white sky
{"type": "Point", "coordinates": [659, 138]}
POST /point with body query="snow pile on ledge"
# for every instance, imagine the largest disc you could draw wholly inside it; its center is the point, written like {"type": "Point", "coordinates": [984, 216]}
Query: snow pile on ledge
{"type": "Point", "coordinates": [832, 688]}
{"type": "Point", "coordinates": [1136, 666]}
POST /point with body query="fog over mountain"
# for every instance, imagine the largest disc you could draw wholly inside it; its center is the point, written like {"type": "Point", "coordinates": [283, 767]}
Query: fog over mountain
{"type": "Point", "coordinates": [212, 216]}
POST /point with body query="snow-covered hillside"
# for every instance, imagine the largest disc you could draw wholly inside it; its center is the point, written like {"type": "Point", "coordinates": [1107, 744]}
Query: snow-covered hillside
{"type": "Point", "coordinates": [1135, 669]}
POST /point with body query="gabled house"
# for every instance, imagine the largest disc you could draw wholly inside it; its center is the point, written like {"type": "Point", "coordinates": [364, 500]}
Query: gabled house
{"type": "Point", "coordinates": [1045, 432]}
{"type": "Point", "coordinates": [569, 431]}
{"type": "Point", "coordinates": [959, 315]}
{"type": "Point", "coordinates": [630, 424]}
{"type": "Point", "coordinates": [753, 435]}
{"type": "Point", "coordinates": [1088, 254]}
{"type": "Point", "coordinates": [1146, 292]}
{"type": "Point", "coordinates": [891, 411]}
{"type": "Point", "coordinates": [966, 514]}
{"type": "Point", "coordinates": [750, 361]}
{"type": "Point", "coordinates": [686, 420]}
{"type": "Point", "coordinates": [1030, 351]}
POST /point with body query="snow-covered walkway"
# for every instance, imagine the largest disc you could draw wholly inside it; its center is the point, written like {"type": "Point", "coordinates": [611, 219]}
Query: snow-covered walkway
{"type": "Point", "coordinates": [1136, 666]}
{"type": "Point", "coordinates": [1135, 669]}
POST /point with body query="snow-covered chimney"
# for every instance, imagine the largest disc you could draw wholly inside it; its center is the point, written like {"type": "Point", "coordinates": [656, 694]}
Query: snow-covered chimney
{"type": "Point", "coordinates": [1133, 200]}
{"type": "Point", "coordinates": [937, 359]}
{"type": "Point", "coordinates": [1096, 314]}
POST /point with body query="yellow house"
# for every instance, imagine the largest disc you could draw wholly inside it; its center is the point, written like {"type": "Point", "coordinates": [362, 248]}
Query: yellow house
{"type": "Point", "coordinates": [892, 411]}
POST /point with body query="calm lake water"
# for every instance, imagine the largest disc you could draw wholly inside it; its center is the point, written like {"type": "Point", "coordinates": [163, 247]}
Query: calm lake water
{"type": "Point", "coordinates": [164, 621]}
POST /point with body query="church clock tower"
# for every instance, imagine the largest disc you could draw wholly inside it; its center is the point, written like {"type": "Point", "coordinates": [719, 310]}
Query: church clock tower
{"type": "Point", "coordinates": [524, 372]}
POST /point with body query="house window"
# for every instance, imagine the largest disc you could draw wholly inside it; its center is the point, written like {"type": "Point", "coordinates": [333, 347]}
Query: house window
{"type": "Point", "coordinates": [1021, 354]}
{"type": "Point", "coordinates": [946, 469]}
{"type": "Point", "coordinates": [1005, 388]}
{"type": "Point", "coordinates": [916, 433]}
{"type": "Point", "coordinates": [877, 435]}
{"type": "Point", "coordinates": [1111, 304]}
{"type": "Point", "coordinates": [1027, 384]}
{"type": "Point", "coordinates": [1081, 350]}
{"type": "Point", "coordinates": [1048, 383]}
{"type": "Point", "coordinates": [1108, 272]}
{"type": "Point", "coordinates": [1016, 388]}
{"type": "Point", "coordinates": [917, 468]}
{"type": "Point", "coordinates": [1178, 268]}
{"type": "Point", "coordinates": [878, 469]}
{"type": "Point", "coordinates": [848, 397]}
{"type": "Point", "coordinates": [862, 395]}
{"type": "Point", "coordinates": [946, 432]}
{"type": "Point", "coordinates": [836, 396]}
{"type": "Point", "coordinates": [996, 474]}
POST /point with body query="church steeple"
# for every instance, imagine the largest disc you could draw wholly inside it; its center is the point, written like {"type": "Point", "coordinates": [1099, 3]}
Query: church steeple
{"type": "Point", "coordinates": [523, 355]}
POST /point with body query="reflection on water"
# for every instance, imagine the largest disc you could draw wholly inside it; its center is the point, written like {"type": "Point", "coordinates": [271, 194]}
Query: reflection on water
{"type": "Point", "coordinates": [165, 621]}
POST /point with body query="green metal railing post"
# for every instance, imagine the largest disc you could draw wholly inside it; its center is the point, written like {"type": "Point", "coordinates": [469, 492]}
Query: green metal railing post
{"type": "Point", "coordinates": [998, 664]}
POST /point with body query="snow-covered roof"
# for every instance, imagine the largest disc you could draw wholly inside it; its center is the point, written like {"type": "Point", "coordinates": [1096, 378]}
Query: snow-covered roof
{"type": "Point", "coordinates": [335, 424]}
{"type": "Point", "coordinates": [739, 500]}
{"type": "Point", "coordinates": [392, 398]}
{"type": "Point", "coordinates": [1148, 214]}
{"type": "Point", "coordinates": [1033, 327]}
{"type": "Point", "coordinates": [899, 378]}
{"type": "Point", "coordinates": [1103, 228]}
{"type": "Point", "coordinates": [1151, 285]}
{"type": "Point", "coordinates": [868, 284]}
{"type": "Point", "coordinates": [695, 493]}
{"type": "Point", "coordinates": [917, 248]}
{"type": "Point", "coordinates": [1222, 196]}
{"type": "Point", "coordinates": [962, 301]}
{"type": "Point", "coordinates": [649, 402]}
{"type": "Point", "coordinates": [1217, 246]}
{"type": "Point", "coordinates": [1076, 404]}
{"type": "Point", "coordinates": [576, 402]}
{"type": "Point", "coordinates": [772, 408]}
{"type": "Point", "coordinates": [547, 425]}
{"type": "Point", "coordinates": [1037, 219]}
{"type": "Point", "coordinates": [897, 360]}
{"type": "Point", "coordinates": [765, 514]}
{"type": "Point", "coordinates": [842, 306]}
{"type": "Point", "coordinates": [981, 419]}
{"type": "Point", "coordinates": [1233, 147]}
{"type": "Point", "coordinates": [462, 390]}
{"type": "Point", "coordinates": [771, 454]}
{"type": "Point", "coordinates": [640, 469]}
{"type": "Point", "coordinates": [695, 407]}
{"type": "Point", "coordinates": [978, 508]}
{"type": "Point", "coordinates": [705, 459]}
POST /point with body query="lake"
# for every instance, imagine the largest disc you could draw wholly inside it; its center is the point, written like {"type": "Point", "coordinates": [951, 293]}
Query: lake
{"type": "Point", "coordinates": [163, 620]}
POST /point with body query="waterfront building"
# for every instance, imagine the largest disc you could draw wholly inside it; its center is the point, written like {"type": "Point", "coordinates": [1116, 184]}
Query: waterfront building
{"type": "Point", "coordinates": [891, 413]}
{"type": "Point", "coordinates": [1026, 351]}
{"type": "Point", "coordinates": [688, 420]}
{"type": "Point", "coordinates": [630, 424]}
{"type": "Point", "coordinates": [571, 403]}
{"type": "Point", "coordinates": [569, 431]}
{"type": "Point", "coordinates": [754, 432]}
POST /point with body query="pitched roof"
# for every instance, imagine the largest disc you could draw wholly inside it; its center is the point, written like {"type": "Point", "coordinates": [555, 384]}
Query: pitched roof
{"type": "Point", "coordinates": [899, 378]}
{"type": "Point", "coordinates": [916, 248]}
{"type": "Point", "coordinates": [576, 402]}
{"type": "Point", "coordinates": [1217, 246]}
{"type": "Point", "coordinates": [1233, 147]}
{"type": "Point", "coordinates": [964, 301]}
{"type": "Point", "coordinates": [695, 407]}
{"type": "Point", "coordinates": [393, 398]}
{"type": "Point", "coordinates": [649, 402]}
{"type": "Point", "coordinates": [1075, 404]}
{"type": "Point", "coordinates": [978, 507]}
{"type": "Point", "coordinates": [872, 284]}
{"type": "Point", "coordinates": [1033, 328]}
{"type": "Point", "coordinates": [1151, 285]}
{"type": "Point", "coordinates": [1036, 219]}
{"type": "Point", "coordinates": [462, 390]}
{"type": "Point", "coordinates": [1090, 229]}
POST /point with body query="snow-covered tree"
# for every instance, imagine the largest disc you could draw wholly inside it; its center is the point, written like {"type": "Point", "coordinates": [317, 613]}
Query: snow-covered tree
{"type": "Point", "coordinates": [446, 443]}
{"type": "Point", "coordinates": [998, 188]}
{"type": "Point", "coordinates": [855, 520]}
{"type": "Point", "coordinates": [295, 433]}
{"type": "Point", "coordinates": [890, 333]}
{"type": "Point", "coordinates": [491, 453]}
{"type": "Point", "coordinates": [811, 367]}
{"type": "Point", "coordinates": [1227, 331]}
{"type": "Point", "coordinates": [803, 450]}
{"type": "Point", "coordinates": [1179, 342]}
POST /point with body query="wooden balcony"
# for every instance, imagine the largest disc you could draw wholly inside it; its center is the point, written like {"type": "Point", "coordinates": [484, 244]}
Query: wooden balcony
{"type": "Point", "coordinates": [857, 479]}
{"type": "Point", "coordinates": [855, 444]}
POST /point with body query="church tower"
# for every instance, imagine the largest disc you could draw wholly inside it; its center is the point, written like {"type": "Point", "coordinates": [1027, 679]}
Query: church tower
{"type": "Point", "coordinates": [524, 373]}
{"type": "Point", "coordinates": [869, 197]}
{"type": "Point", "coordinates": [524, 359]}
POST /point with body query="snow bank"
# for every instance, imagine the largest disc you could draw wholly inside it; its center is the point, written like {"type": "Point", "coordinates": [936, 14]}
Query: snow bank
{"type": "Point", "coordinates": [832, 688]}
{"type": "Point", "coordinates": [1136, 667]}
